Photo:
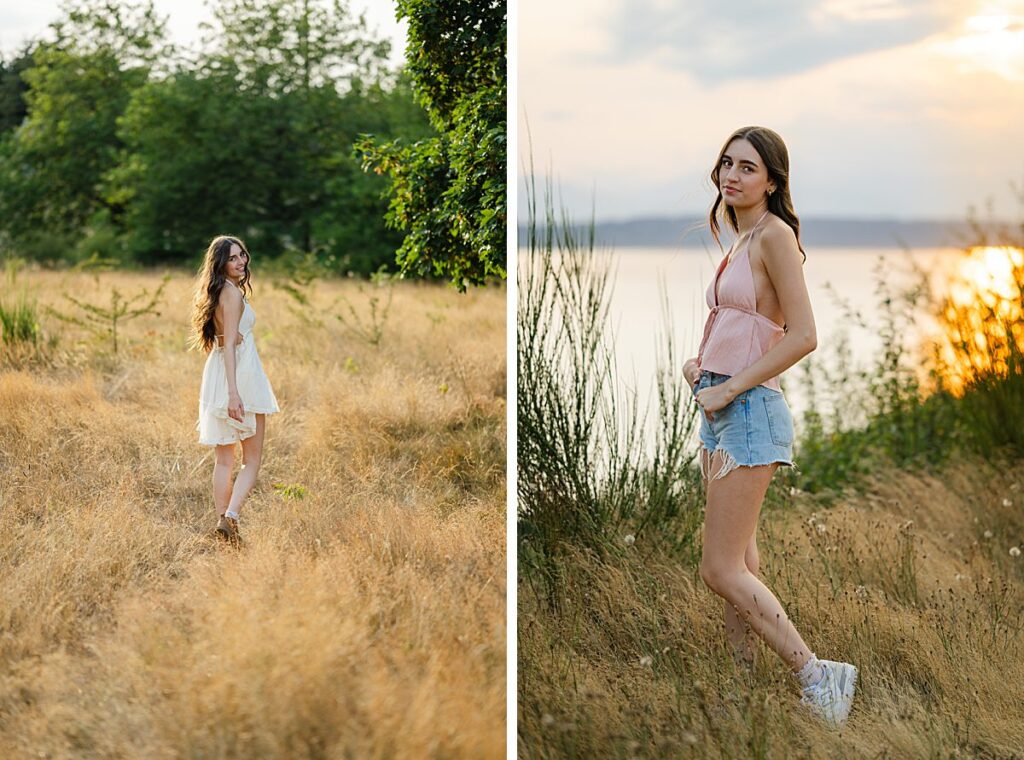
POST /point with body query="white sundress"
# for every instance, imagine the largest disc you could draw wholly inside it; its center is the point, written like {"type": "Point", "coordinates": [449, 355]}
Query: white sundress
{"type": "Point", "coordinates": [215, 427]}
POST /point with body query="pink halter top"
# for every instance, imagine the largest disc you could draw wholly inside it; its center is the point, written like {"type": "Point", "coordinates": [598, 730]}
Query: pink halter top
{"type": "Point", "coordinates": [735, 335]}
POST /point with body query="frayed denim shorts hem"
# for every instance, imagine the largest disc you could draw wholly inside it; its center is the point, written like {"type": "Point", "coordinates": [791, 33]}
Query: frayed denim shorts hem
{"type": "Point", "coordinates": [755, 429]}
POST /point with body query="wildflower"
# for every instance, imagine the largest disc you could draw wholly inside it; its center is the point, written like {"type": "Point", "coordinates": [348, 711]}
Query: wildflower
{"type": "Point", "coordinates": [861, 592]}
{"type": "Point", "coordinates": [958, 577]}
{"type": "Point", "coordinates": [547, 719]}
{"type": "Point", "coordinates": [1014, 551]}
{"type": "Point", "coordinates": [820, 527]}
{"type": "Point", "coordinates": [666, 649]}
{"type": "Point", "coordinates": [646, 661]}
{"type": "Point", "coordinates": [988, 534]}
{"type": "Point", "coordinates": [629, 540]}
{"type": "Point", "coordinates": [1007, 503]}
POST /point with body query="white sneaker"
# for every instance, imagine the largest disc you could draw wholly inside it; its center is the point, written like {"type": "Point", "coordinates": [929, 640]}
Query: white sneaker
{"type": "Point", "coordinates": [832, 697]}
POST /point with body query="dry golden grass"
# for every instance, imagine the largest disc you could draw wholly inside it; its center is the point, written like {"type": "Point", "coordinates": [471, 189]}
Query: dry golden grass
{"type": "Point", "coordinates": [363, 619]}
{"type": "Point", "coordinates": [914, 582]}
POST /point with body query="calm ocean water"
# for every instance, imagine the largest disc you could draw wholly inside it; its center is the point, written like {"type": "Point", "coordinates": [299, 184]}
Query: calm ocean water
{"type": "Point", "coordinates": [638, 317]}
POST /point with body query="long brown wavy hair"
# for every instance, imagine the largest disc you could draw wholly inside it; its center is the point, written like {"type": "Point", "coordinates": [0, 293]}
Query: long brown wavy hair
{"type": "Point", "coordinates": [772, 150]}
{"type": "Point", "coordinates": [209, 282]}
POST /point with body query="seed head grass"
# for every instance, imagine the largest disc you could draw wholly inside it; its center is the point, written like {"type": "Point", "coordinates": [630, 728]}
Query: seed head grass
{"type": "Point", "coordinates": [635, 661]}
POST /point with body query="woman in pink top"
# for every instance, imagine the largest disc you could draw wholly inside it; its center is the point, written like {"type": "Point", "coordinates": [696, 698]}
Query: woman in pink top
{"type": "Point", "coordinates": [760, 324]}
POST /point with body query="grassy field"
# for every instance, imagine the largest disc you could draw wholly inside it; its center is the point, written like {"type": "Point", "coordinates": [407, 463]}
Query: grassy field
{"type": "Point", "coordinates": [365, 614]}
{"type": "Point", "coordinates": [912, 578]}
{"type": "Point", "coordinates": [899, 546]}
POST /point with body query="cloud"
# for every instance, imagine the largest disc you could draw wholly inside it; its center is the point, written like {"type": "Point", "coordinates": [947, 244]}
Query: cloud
{"type": "Point", "coordinates": [754, 39]}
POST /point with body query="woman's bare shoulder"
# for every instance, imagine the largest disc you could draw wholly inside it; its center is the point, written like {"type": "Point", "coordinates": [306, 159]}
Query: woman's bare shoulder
{"type": "Point", "coordinates": [778, 239]}
{"type": "Point", "coordinates": [230, 295]}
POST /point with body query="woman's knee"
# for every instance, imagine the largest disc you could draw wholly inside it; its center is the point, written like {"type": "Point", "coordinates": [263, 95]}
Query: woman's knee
{"type": "Point", "coordinates": [719, 577]}
{"type": "Point", "coordinates": [251, 464]}
{"type": "Point", "coordinates": [225, 456]}
{"type": "Point", "coordinates": [251, 457]}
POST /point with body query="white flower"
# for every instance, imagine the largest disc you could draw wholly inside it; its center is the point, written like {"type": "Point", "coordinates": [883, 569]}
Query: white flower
{"type": "Point", "coordinates": [1014, 551]}
{"type": "Point", "coordinates": [646, 661]}
{"type": "Point", "coordinates": [1007, 503]}
{"type": "Point", "coordinates": [861, 592]}
{"type": "Point", "coordinates": [629, 540]}
{"type": "Point", "coordinates": [820, 527]}
{"type": "Point", "coordinates": [958, 577]}
{"type": "Point", "coordinates": [988, 534]}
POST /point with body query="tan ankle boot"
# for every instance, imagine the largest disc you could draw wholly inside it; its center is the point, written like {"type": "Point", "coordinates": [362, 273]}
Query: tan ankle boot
{"type": "Point", "coordinates": [227, 529]}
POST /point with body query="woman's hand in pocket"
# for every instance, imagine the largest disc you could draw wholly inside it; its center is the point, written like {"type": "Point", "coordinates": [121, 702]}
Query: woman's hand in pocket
{"type": "Point", "coordinates": [714, 398]}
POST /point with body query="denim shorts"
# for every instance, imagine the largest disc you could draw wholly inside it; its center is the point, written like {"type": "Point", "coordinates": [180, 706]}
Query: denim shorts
{"type": "Point", "coordinates": [756, 428]}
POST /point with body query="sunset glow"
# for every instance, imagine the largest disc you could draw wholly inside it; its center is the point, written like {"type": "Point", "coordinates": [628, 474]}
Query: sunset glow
{"type": "Point", "coordinates": [987, 273]}
{"type": "Point", "coordinates": [991, 42]}
{"type": "Point", "coordinates": [983, 318]}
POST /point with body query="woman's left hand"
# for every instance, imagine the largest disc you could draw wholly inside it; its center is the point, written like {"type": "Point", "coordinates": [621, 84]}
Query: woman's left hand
{"type": "Point", "coordinates": [713, 398]}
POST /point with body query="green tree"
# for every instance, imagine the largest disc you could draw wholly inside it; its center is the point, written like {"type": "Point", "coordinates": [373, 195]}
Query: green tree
{"type": "Point", "coordinates": [256, 137]}
{"type": "Point", "coordinates": [448, 192]}
{"type": "Point", "coordinates": [306, 54]}
{"type": "Point", "coordinates": [51, 166]}
{"type": "Point", "coordinates": [285, 46]}
{"type": "Point", "coordinates": [199, 159]}
{"type": "Point", "coordinates": [352, 223]}
{"type": "Point", "coordinates": [13, 108]}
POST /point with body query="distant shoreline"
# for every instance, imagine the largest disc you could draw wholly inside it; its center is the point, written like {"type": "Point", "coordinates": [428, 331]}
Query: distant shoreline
{"type": "Point", "coordinates": [691, 232]}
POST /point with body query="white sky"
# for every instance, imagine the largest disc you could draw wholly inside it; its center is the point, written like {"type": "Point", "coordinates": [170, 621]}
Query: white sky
{"type": "Point", "coordinates": [910, 109]}
{"type": "Point", "coordinates": [21, 20]}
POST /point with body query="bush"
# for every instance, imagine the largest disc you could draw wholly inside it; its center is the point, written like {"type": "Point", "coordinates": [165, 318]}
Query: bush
{"type": "Point", "coordinates": [585, 477]}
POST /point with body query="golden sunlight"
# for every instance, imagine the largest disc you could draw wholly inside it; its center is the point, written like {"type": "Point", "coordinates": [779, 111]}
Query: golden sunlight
{"type": "Point", "coordinates": [992, 40]}
{"type": "Point", "coordinates": [987, 272]}
{"type": "Point", "coordinates": [983, 317]}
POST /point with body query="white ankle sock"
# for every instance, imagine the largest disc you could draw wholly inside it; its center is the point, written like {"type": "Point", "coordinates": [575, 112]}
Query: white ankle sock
{"type": "Point", "coordinates": [231, 513]}
{"type": "Point", "coordinates": [810, 673]}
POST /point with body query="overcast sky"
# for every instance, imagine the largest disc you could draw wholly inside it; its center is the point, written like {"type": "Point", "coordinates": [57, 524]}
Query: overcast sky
{"type": "Point", "coordinates": [904, 109]}
{"type": "Point", "coordinates": [21, 20]}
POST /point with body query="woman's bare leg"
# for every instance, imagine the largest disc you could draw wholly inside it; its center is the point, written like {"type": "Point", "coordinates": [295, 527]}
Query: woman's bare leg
{"type": "Point", "coordinates": [252, 453]}
{"type": "Point", "coordinates": [741, 635]}
{"type": "Point", "coordinates": [224, 463]}
{"type": "Point", "coordinates": [730, 520]}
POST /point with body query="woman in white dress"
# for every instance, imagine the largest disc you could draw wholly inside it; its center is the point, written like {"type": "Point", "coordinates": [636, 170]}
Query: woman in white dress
{"type": "Point", "coordinates": [235, 396]}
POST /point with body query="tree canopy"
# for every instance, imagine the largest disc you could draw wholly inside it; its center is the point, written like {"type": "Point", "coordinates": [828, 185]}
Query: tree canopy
{"type": "Point", "coordinates": [448, 192]}
{"type": "Point", "coordinates": [127, 140]}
